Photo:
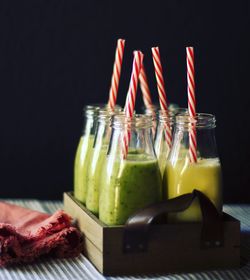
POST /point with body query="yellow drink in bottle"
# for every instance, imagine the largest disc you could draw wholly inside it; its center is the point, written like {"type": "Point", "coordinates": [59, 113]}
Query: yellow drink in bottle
{"type": "Point", "coordinates": [183, 177]}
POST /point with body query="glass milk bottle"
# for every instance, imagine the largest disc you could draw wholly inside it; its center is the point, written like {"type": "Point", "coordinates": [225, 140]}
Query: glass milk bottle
{"type": "Point", "coordinates": [182, 176]}
{"type": "Point", "coordinates": [131, 180]}
{"type": "Point", "coordinates": [83, 152]}
{"type": "Point", "coordinates": [162, 149]}
{"type": "Point", "coordinates": [102, 138]}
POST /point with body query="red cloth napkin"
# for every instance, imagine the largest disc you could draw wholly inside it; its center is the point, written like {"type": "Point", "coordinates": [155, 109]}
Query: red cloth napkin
{"type": "Point", "coordinates": [27, 234]}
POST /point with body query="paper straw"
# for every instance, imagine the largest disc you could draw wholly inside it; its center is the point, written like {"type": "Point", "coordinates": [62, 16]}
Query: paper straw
{"type": "Point", "coordinates": [131, 95]}
{"type": "Point", "coordinates": [159, 78]}
{"type": "Point", "coordinates": [116, 73]}
{"type": "Point", "coordinates": [191, 103]}
{"type": "Point", "coordinates": [146, 95]}
{"type": "Point", "coordinates": [161, 91]}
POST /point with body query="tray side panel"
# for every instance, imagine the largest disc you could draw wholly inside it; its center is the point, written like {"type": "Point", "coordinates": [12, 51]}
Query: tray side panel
{"type": "Point", "coordinates": [93, 254]}
{"type": "Point", "coordinates": [172, 248]}
{"type": "Point", "coordinates": [87, 222]}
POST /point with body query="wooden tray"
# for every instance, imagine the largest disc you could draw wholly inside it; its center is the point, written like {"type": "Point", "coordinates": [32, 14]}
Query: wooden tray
{"type": "Point", "coordinates": [171, 247]}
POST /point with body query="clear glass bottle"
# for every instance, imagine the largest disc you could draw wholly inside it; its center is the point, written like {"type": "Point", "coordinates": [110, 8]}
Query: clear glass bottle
{"type": "Point", "coordinates": [162, 149]}
{"type": "Point", "coordinates": [101, 142]}
{"type": "Point", "coordinates": [132, 181]}
{"type": "Point", "coordinates": [83, 152]}
{"type": "Point", "coordinates": [181, 176]}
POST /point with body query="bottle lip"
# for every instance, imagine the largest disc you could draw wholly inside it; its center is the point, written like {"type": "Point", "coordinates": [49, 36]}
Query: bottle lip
{"type": "Point", "coordinates": [137, 121]}
{"type": "Point", "coordinates": [201, 120]}
{"type": "Point", "coordinates": [165, 117]}
{"type": "Point", "coordinates": [105, 114]}
{"type": "Point", "coordinates": [155, 108]}
{"type": "Point", "coordinates": [94, 109]}
{"type": "Point", "coordinates": [169, 116]}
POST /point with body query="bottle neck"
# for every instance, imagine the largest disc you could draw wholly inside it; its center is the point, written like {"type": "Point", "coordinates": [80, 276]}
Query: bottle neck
{"type": "Point", "coordinates": [170, 116]}
{"type": "Point", "coordinates": [90, 114]}
{"type": "Point", "coordinates": [137, 122]}
{"type": "Point", "coordinates": [133, 133]}
{"type": "Point", "coordinates": [204, 127]}
{"type": "Point", "coordinates": [103, 130]}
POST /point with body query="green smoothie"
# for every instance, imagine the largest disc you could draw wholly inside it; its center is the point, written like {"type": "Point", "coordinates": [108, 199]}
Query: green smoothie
{"type": "Point", "coordinates": [94, 177]}
{"type": "Point", "coordinates": [82, 159]}
{"type": "Point", "coordinates": [128, 186]}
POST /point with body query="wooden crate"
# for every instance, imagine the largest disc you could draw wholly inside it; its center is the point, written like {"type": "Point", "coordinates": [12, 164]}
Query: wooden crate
{"type": "Point", "coordinates": [171, 247]}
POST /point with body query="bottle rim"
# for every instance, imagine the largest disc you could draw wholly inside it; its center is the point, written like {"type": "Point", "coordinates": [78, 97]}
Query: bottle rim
{"type": "Point", "coordinates": [106, 114]}
{"type": "Point", "coordinates": [94, 109]}
{"type": "Point", "coordinates": [169, 116]}
{"type": "Point", "coordinates": [172, 107]}
{"type": "Point", "coordinates": [138, 121]}
{"type": "Point", "coordinates": [201, 120]}
{"type": "Point", "coordinates": [165, 117]}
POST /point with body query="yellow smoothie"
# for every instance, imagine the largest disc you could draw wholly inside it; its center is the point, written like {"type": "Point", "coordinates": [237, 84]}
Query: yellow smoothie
{"type": "Point", "coordinates": [183, 177]}
{"type": "Point", "coordinates": [82, 159]}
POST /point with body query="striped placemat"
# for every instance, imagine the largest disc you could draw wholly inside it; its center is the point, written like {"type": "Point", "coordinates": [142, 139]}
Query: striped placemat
{"type": "Point", "coordinates": [81, 268]}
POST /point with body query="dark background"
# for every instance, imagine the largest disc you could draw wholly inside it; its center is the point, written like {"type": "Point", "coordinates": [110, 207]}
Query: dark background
{"type": "Point", "coordinates": [57, 56]}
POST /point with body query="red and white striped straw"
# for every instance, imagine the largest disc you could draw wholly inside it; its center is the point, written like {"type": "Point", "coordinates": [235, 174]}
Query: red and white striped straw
{"type": "Point", "coordinates": [116, 73]}
{"type": "Point", "coordinates": [131, 95]}
{"type": "Point", "coordinates": [159, 78]}
{"type": "Point", "coordinates": [146, 95]}
{"type": "Point", "coordinates": [191, 103]}
{"type": "Point", "coordinates": [161, 90]}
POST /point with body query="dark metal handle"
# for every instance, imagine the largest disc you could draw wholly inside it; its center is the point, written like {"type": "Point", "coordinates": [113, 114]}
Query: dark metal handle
{"type": "Point", "coordinates": [137, 226]}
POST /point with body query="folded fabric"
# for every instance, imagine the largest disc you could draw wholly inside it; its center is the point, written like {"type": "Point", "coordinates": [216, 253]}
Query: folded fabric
{"type": "Point", "coordinates": [26, 234]}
